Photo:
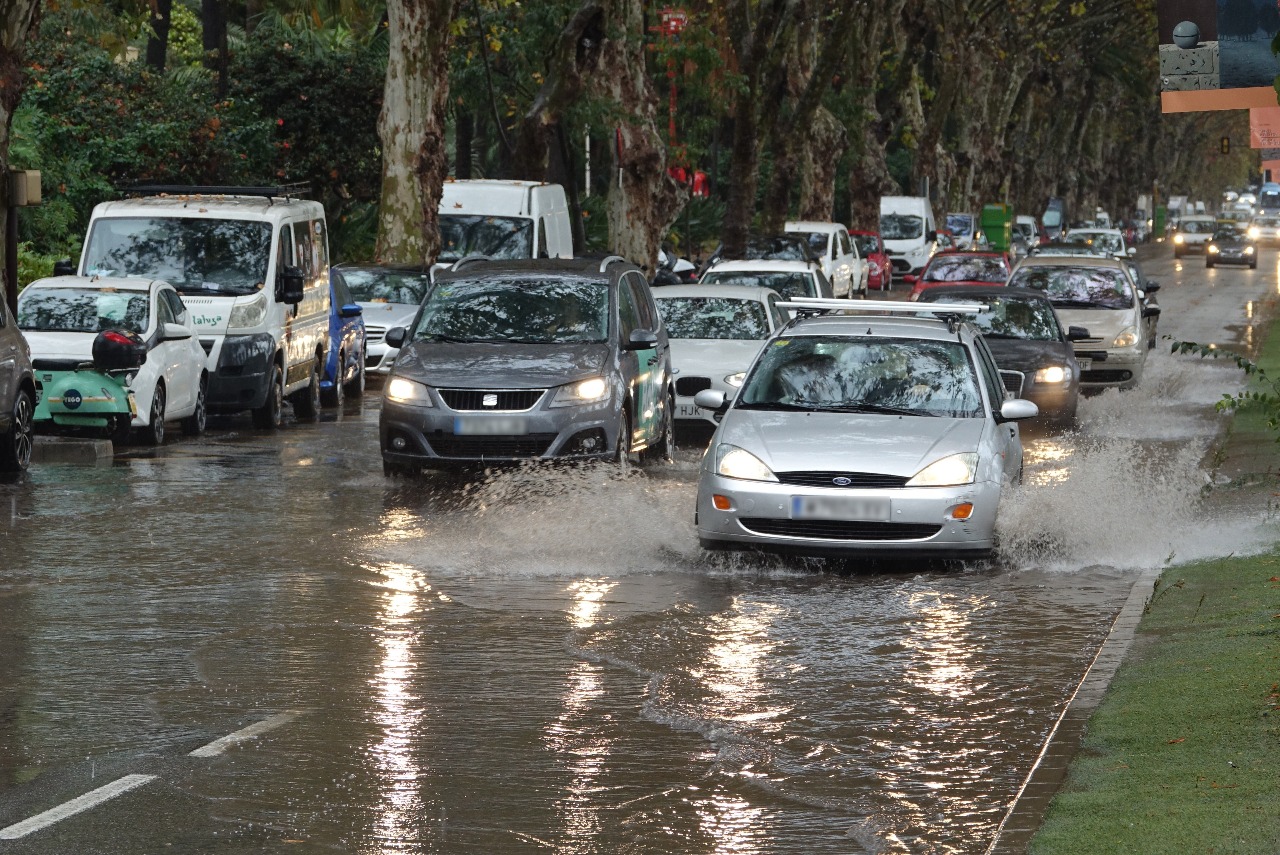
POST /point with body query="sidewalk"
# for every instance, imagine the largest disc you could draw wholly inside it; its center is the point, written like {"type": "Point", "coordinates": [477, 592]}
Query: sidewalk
{"type": "Point", "coordinates": [1181, 751]}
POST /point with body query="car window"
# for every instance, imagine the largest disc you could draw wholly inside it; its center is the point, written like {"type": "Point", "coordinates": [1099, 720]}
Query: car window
{"type": "Point", "coordinates": [341, 293]}
{"type": "Point", "coordinates": [164, 311]}
{"type": "Point", "coordinates": [83, 310]}
{"type": "Point", "coordinates": [901, 226]}
{"type": "Point", "coordinates": [789, 285]}
{"type": "Point", "coordinates": [381, 285]}
{"type": "Point", "coordinates": [628, 315]}
{"type": "Point", "coordinates": [714, 317]}
{"type": "Point", "coordinates": [1078, 287]}
{"type": "Point", "coordinates": [542, 238]}
{"type": "Point", "coordinates": [780, 315]}
{"type": "Point", "coordinates": [527, 309]}
{"type": "Point", "coordinates": [872, 374]}
{"type": "Point", "coordinates": [1019, 316]}
{"type": "Point", "coordinates": [966, 268]}
{"type": "Point", "coordinates": [4, 315]}
{"type": "Point", "coordinates": [845, 247]}
{"type": "Point", "coordinates": [176, 306]}
{"type": "Point", "coordinates": [990, 374]}
{"type": "Point", "coordinates": [646, 313]}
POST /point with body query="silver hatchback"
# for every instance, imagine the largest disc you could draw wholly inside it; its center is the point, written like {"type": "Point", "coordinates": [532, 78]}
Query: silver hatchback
{"type": "Point", "coordinates": [863, 434]}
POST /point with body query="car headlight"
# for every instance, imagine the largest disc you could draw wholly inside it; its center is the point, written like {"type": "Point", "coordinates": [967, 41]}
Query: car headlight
{"type": "Point", "coordinates": [1053, 374]}
{"type": "Point", "coordinates": [248, 315]}
{"type": "Point", "coordinates": [1128, 338]}
{"type": "Point", "coordinates": [734, 462]}
{"type": "Point", "coordinates": [404, 391]}
{"type": "Point", "coordinates": [950, 471]}
{"type": "Point", "coordinates": [1178, 238]}
{"type": "Point", "coordinates": [590, 391]}
{"type": "Point", "coordinates": [1213, 248]}
{"type": "Point", "coordinates": [1248, 250]}
{"type": "Point", "coordinates": [735, 380]}
{"type": "Point", "coordinates": [1253, 233]}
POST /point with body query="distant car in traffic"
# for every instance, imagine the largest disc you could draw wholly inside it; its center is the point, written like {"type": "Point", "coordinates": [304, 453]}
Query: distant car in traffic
{"type": "Point", "coordinates": [715, 333]}
{"type": "Point", "coordinates": [1265, 230]}
{"type": "Point", "coordinates": [1192, 234]}
{"type": "Point", "coordinates": [789, 278]}
{"type": "Point", "coordinates": [778, 247]}
{"type": "Point", "coordinates": [1033, 351]}
{"type": "Point", "coordinates": [879, 267]}
{"type": "Point", "coordinates": [530, 360]}
{"type": "Point", "coordinates": [857, 434]}
{"type": "Point", "coordinates": [344, 361]}
{"type": "Point", "coordinates": [840, 259]}
{"type": "Point", "coordinates": [958, 267]}
{"type": "Point", "coordinates": [1109, 241]}
{"type": "Point", "coordinates": [1099, 295]}
{"type": "Point", "coordinates": [389, 296]}
{"type": "Point", "coordinates": [17, 395]}
{"type": "Point", "coordinates": [966, 230]}
{"type": "Point", "coordinates": [1231, 245]}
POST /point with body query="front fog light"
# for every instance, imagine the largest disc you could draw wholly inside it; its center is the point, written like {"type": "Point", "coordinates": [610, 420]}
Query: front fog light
{"type": "Point", "coordinates": [948, 472]}
{"type": "Point", "coordinates": [1128, 338]}
{"type": "Point", "coordinates": [734, 462]}
{"type": "Point", "coordinates": [1052, 374]}
{"type": "Point", "coordinates": [404, 391]}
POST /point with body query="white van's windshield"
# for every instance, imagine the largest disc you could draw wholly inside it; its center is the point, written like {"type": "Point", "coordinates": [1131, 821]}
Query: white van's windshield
{"type": "Point", "coordinates": [196, 256]}
{"type": "Point", "coordinates": [901, 226]}
{"type": "Point", "coordinates": [497, 237]}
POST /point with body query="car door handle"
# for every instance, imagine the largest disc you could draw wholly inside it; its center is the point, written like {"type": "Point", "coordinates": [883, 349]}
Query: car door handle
{"type": "Point", "coordinates": [653, 360]}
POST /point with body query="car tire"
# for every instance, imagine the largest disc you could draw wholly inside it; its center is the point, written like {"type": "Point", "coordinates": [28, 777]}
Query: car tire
{"type": "Point", "coordinates": [153, 433]}
{"type": "Point", "coordinates": [663, 450]}
{"type": "Point", "coordinates": [194, 424]}
{"type": "Point", "coordinates": [306, 401]}
{"type": "Point", "coordinates": [270, 416]}
{"type": "Point", "coordinates": [355, 386]}
{"type": "Point", "coordinates": [622, 447]}
{"type": "Point", "coordinates": [334, 395]}
{"type": "Point", "coordinates": [1254, 265]}
{"type": "Point", "coordinates": [17, 443]}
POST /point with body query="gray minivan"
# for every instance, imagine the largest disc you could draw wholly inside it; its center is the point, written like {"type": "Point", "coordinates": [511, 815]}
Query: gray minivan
{"type": "Point", "coordinates": [516, 360]}
{"type": "Point", "coordinates": [17, 395]}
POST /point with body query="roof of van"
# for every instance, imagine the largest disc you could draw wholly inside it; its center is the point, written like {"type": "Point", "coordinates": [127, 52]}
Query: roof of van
{"type": "Point", "coordinates": [211, 207]}
{"type": "Point", "coordinates": [489, 196]}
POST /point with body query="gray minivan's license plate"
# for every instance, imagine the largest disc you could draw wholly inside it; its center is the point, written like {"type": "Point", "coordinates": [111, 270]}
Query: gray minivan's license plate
{"type": "Point", "coordinates": [839, 508]}
{"type": "Point", "coordinates": [489, 426]}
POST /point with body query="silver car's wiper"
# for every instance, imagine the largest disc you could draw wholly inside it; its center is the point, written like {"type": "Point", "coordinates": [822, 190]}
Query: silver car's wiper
{"type": "Point", "coordinates": [1075, 304]}
{"type": "Point", "coordinates": [776, 405]}
{"type": "Point", "coordinates": [865, 407]}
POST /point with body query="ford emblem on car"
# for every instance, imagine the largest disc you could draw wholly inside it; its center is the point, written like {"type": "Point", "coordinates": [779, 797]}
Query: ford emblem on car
{"type": "Point", "coordinates": [841, 481]}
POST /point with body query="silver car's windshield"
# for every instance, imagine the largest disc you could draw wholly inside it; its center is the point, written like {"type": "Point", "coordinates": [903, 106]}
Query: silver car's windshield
{"type": "Point", "coordinates": [381, 285]}
{"type": "Point", "coordinates": [1078, 287]}
{"type": "Point", "coordinates": [714, 317]}
{"type": "Point", "coordinates": [89, 310]}
{"type": "Point", "coordinates": [536, 310]}
{"type": "Point", "coordinates": [865, 375]}
{"type": "Point", "coordinates": [195, 255]}
{"type": "Point", "coordinates": [789, 285]}
{"type": "Point", "coordinates": [497, 237]}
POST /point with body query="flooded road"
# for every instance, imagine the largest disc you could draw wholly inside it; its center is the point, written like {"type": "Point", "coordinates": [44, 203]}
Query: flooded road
{"type": "Point", "coordinates": [546, 661]}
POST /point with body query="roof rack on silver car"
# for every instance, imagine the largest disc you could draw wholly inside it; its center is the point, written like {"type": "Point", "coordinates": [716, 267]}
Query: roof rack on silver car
{"type": "Point", "coordinates": [610, 259]}
{"type": "Point", "coordinates": [467, 259]}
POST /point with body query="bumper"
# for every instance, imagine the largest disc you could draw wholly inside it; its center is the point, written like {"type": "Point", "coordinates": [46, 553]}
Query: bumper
{"type": "Point", "coordinates": [760, 518]}
{"type": "Point", "coordinates": [1055, 402]}
{"type": "Point", "coordinates": [430, 436]}
{"type": "Point", "coordinates": [87, 399]}
{"type": "Point", "coordinates": [239, 369]}
{"type": "Point", "coordinates": [1122, 369]}
{"type": "Point", "coordinates": [379, 357]}
{"type": "Point", "coordinates": [1232, 258]}
{"type": "Point", "coordinates": [1184, 248]}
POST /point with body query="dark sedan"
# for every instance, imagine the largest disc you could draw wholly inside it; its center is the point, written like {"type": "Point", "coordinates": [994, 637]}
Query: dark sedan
{"type": "Point", "coordinates": [1230, 245]}
{"type": "Point", "coordinates": [1031, 348]}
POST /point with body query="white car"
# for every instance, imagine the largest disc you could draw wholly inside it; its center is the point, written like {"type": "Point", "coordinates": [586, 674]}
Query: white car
{"type": "Point", "coordinates": [790, 279]}
{"type": "Point", "coordinates": [62, 316]}
{"type": "Point", "coordinates": [389, 297]}
{"type": "Point", "coordinates": [839, 256]}
{"type": "Point", "coordinates": [1108, 240]}
{"type": "Point", "coordinates": [715, 333]}
{"type": "Point", "coordinates": [1098, 294]}
{"type": "Point", "coordinates": [1193, 234]}
{"type": "Point", "coordinates": [1265, 230]}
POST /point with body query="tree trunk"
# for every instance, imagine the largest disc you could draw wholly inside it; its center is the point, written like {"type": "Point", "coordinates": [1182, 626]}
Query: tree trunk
{"type": "Point", "coordinates": [213, 16]}
{"type": "Point", "coordinates": [826, 142]}
{"type": "Point", "coordinates": [18, 21]}
{"type": "Point", "coordinates": [158, 40]}
{"type": "Point", "coordinates": [411, 127]}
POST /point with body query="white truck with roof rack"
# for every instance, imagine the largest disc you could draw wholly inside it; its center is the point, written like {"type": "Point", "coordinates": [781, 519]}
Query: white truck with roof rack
{"type": "Point", "coordinates": [251, 264]}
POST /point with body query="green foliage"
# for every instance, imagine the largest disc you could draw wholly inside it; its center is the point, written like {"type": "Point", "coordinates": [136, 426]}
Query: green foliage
{"type": "Point", "coordinates": [34, 265]}
{"type": "Point", "coordinates": [186, 38]}
{"type": "Point", "coordinates": [1262, 394]}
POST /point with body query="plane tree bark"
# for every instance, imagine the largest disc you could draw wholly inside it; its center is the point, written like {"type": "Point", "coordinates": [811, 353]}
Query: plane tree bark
{"type": "Point", "coordinates": [18, 19]}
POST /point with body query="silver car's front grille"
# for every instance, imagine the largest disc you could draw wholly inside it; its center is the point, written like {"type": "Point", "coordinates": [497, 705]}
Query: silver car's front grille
{"type": "Point", "coordinates": [491, 400]}
{"type": "Point", "coordinates": [690, 386]}
{"type": "Point", "coordinates": [840, 529]}
{"type": "Point", "coordinates": [822, 478]}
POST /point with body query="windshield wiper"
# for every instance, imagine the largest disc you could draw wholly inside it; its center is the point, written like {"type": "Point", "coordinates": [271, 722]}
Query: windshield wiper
{"type": "Point", "coordinates": [865, 407]}
{"type": "Point", "coordinates": [451, 339]}
{"type": "Point", "coordinates": [775, 405]}
{"type": "Point", "coordinates": [1075, 304]}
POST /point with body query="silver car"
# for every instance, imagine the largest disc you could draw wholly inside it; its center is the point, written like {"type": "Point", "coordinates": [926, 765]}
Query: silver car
{"type": "Point", "coordinates": [863, 434]}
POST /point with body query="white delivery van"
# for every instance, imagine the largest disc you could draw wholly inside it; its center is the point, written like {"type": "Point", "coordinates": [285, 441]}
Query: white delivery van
{"type": "Point", "coordinates": [837, 254]}
{"type": "Point", "coordinates": [909, 232]}
{"type": "Point", "coordinates": [504, 219]}
{"type": "Point", "coordinates": [252, 265]}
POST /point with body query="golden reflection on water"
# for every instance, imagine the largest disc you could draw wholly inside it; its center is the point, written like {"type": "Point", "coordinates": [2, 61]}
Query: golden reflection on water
{"type": "Point", "coordinates": [743, 645]}
{"type": "Point", "coordinates": [944, 648]}
{"type": "Point", "coordinates": [395, 526]}
{"type": "Point", "coordinates": [733, 823]}
{"type": "Point", "coordinates": [1046, 461]}
{"type": "Point", "coordinates": [397, 712]}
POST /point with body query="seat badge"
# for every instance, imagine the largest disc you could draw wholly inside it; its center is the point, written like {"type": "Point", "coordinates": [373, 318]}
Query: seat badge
{"type": "Point", "coordinates": [489, 400]}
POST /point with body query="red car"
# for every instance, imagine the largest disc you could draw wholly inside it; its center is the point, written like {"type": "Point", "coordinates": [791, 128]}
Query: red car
{"type": "Point", "coordinates": [879, 268]}
{"type": "Point", "coordinates": [962, 267]}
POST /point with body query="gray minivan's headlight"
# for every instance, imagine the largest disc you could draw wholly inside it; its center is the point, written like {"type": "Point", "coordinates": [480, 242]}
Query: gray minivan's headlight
{"type": "Point", "coordinates": [589, 391]}
{"type": "Point", "coordinates": [404, 391]}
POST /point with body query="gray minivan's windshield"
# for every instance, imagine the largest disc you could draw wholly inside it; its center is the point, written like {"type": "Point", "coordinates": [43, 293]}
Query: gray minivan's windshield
{"type": "Point", "coordinates": [88, 310]}
{"type": "Point", "coordinates": [195, 255]}
{"type": "Point", "coordinates": [497, 237]}
{"type": "Point", "coordinates": [535, 310]}
{"type": "Point", "coordinates": [916, 377]}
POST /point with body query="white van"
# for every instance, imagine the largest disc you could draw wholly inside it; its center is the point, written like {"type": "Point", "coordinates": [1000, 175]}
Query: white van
{"type": "Point", "coordinates": [909, 232]}
{"type": "Point", "coordinates": [504, 219]}
{"type": "Point", "coordinates": [838, 255]}
{"type": "Point", "coordinates": [252, 265]}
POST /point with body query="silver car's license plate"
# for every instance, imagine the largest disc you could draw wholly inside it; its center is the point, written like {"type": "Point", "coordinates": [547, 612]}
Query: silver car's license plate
{"type": "Point", "coordinates": [489, 426]}
{"type": "Point", "coordinates": [839, 508]}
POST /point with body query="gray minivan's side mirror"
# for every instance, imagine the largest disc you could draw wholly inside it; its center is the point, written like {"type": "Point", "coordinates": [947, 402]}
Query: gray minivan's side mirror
{"type": "Point", "coordinates": [395, 337]}
{"type": "Point", "coordinates": [292, 285]}
{"type": "Point", "coordinates": [641, 340]}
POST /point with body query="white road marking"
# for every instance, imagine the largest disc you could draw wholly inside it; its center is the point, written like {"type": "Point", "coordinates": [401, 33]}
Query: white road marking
{"type": "Point", "coordinates": [75, 806]}
{"type": "Point", "coordinates": [213, 749]}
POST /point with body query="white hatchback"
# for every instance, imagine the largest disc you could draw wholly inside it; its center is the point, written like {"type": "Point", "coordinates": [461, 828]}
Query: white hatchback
{"type": "Point", "coordinates": [838, 255]}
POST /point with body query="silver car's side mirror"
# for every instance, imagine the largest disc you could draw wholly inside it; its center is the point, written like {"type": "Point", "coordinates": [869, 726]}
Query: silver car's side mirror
{"type": "Point", "coordinates": [711, 399]}
{"type": "Point", "coordinates": [1017, 409]}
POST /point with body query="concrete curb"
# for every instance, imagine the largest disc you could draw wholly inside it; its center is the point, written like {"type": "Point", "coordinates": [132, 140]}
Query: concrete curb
{"type": "Point", "coordinates": [1049, 770]}
{"type": "Point", "coordinates": [57, 449]}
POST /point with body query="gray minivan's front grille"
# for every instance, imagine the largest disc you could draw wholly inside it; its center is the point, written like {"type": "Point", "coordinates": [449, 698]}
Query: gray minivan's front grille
{"type": "Point", "coordinates": [491, 400]}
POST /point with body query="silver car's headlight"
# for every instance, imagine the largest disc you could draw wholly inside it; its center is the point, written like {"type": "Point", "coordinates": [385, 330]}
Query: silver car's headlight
{"type": "Point", "coordinates": [1128, 338]}
{"type": "Point", "coordinates": [950, 471]}
{"type": "Point", "coordinates": [1053, 374]}
{"type": "Point", "coordinates": [735, 380]}
{"type": "Point", "coordinates": [589, 391]}
{"type": "Point", "coordinates": [404, 391]}
{"type": "Point", "coordinates": [734, 462]}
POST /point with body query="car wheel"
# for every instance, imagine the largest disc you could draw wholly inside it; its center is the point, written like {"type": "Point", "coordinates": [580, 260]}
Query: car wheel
{"type": "Point", "coordinates": [271, 414]}
{"type": "Point", "coordinates": [622, 448]}
{"type": "Point", "coordinates": [1208, 264]}
{"type": "Point", "coordinates": [355, 386]}
{"type": "Point", "coordinates": [306, 402]}
{"type": "Point", "coordinates": [664, 449]}
{"type": "Point", "coordinates": [194, 424]}
{"type": "Point", "coordinates": [334, 395]}
{"type": "Point", "coordinates": [1253, 266]}
{"type": "Point", "coordinates": [16, 445]}
{"type": "Point", "coordinates": [153, 433]}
